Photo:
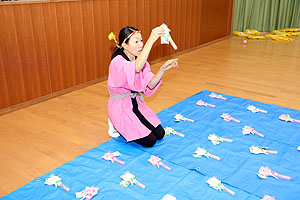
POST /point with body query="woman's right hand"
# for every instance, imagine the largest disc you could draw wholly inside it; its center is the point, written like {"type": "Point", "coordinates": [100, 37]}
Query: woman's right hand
{"type": "Point", "coordinates": [156, 33]}
{"type": "Point", "coordinates": [169, 64]}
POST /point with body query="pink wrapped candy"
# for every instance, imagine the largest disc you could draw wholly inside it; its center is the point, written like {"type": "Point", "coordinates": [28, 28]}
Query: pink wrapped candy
{"type": "Point", "coordinates": [154, 160]}
{"type": "Point", "coordinates": [267, 197]}
{"type": "Point", "coordinates": [228, 118]}
{"type": "Point", "coordinates": [113, 157]}
{"type": "Point", "coordinates": [215, 96]}
{"type": "Point", "coordinates": [266, 171]}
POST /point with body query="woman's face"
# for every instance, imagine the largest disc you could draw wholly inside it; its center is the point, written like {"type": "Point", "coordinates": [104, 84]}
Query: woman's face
{"type": "Point", "coordinates": [135, 44]}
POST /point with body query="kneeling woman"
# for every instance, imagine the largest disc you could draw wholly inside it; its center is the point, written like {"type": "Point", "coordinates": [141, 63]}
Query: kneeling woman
{"type": "Point", "coordinates": [130, 75]}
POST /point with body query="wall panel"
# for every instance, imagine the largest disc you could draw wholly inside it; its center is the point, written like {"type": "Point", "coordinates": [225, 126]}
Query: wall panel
{"type": "Point", "coordinates": [23, 54]}
{"type": "Point", "coordinates": [47, 47]}
{"type": "Point", "coordinates": [214, 19]}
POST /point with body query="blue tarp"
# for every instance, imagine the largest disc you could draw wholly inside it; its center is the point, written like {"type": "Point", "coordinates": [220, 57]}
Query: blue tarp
{"type": "Point", "coordinates": [187, 180]}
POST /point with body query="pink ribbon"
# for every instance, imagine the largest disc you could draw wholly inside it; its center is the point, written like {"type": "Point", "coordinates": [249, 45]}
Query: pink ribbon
{"type": "Point", "coordinates": [112, 158]}
{"type": "Point", "coordinates": [266, 171]}
{"type": "Point", "coordinates": [267, 197]}
{"type": "Point", "coordinates": [202, 103]}
{"type": "Point", "coordinates": [90, 192]}
{"type": "Point", "coordinates": [248, 130]}
{"type": "Point", "coordinates": [228, 118]}
{"type": "Point", "coordinates": [154, 160]}
{"type": "Point", "coordinates": [214, 95]}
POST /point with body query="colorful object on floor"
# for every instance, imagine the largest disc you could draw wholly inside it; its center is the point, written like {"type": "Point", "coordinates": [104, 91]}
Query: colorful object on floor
{"type": "Point", "coordinates": [217, 140]}
{"type": "Point", "coordinates": [56, 181]}
{"type": "Point", "coordinates": [290, 30]}
{"type": "Point", "coordinates": [129, 178]}
{"type": "Point", "coordinates": [202, 152]}
{"type": "Point", "coordinates": [88, 193]}
{"type": "Point", "coordinates": [240, 34]}
{"type": "Point", "coordinates": [295, 34]}
{"type": "Point", "coordinates": [245, 41]}
{"type": "Point", "coordinates": [168, 197]}
{"type": "Point", "coordinates": [287, 32]}
{"type": "Point", "coordinates": [228, 118]}
{"type": "Point", "coordinates": [248, 129]}
{"type": "Point", "coordinates": [256, 37]}
{"type": "Point", "coordinates": [267, 197]}
{"type": "Point", "coordinates": [259, 150]}
{"type": "Point", "coordinates": [287, 118]}
{"type": "Point", "coordinates": [281, 33]}
{"type": "Point", "coordinates": [113, 157]}
{"type": "Point", "coordinates": [252, 32]}
{"type": "Point", "coordinates": [217, 185]}
{"type": "Point", "coordinates": [279, 38]}
{"type": "Point", "coordinates": [216, 96]}
{"type": "Point", "coordinates": [156, 161]}
{"type": "Point", "coordinates": [264, 172]}
{"type": "Point", "coordinates": [179, 117]}
{"type": "Point", "coordinates": [170, 130]}
{"type": "Point", "coordinates": [202, 103]}
{"type": "Point", "coordinates": [255, 110]}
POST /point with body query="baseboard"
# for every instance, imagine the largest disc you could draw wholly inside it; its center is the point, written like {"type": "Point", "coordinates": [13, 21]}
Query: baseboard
{"type": "Point", "coordinates": [50, 96]}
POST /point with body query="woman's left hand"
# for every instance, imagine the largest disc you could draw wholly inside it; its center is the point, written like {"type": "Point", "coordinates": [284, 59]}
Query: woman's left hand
{"type": "Point", "coordinates": [170, 64]}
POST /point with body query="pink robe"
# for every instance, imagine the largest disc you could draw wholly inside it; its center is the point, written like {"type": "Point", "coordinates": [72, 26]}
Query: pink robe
{"type": "Point", "coordinates": [123, 79]}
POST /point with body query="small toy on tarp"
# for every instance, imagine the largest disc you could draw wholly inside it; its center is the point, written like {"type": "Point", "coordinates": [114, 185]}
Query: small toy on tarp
{"type": "Point", "coordinates": [56, 181]}
{"type": "Point", "coordinates": [168, 197]}
{"type": "Point", "coordinates": [216, 96]}
{"type": "Point", "coordinates": [259, 150]}
{"type": "Point", "coordinates": [217, 140]}
{"type": "Point", "coordinates": [298, 148]}
{"type": "Point", "coordinates": [202, 152]}
{"type": "Point", "coordinates": [264, 172]}
{"type": "Point", "coordinates": [88, 193]}
{"type": "Point", "coordinates": [129, 178]}
{"type": "Point", "coordinates": [166, 38]}
{"type": "Point", "coordinates": [179, 117]}
{"type": "Point", "coordinates": [202, 103]}
{"type": "Point", "coordinates": [113, 157]}
{"type": "Point", "coordinates": [255, 110]}
{"type": "Point", "coordinates": [216, 184]}
{"type": "Point", "coordinates": [287, 118]}
{"type": "Point", "coordinates": [156, 161]}
{"type": "Point", "coordinates": [267, 197]}
{"type": "Point", "coordinates": [170, 130]}
{"type": "Point", "coordinates": [248, 129]}
{"type": "Point", "coordinates": [228, 118]}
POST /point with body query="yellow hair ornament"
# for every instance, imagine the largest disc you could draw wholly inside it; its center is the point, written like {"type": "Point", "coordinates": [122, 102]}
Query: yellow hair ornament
{"type": "Point", "coordinates": [112, 36]}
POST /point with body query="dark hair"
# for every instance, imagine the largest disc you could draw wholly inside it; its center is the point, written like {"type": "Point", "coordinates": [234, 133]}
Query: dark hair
{"type": "Point", "coordinates": [124, 32]}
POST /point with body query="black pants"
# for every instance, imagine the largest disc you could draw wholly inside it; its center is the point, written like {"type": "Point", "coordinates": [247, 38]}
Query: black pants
{"type": "Point", "coordinates": [157, 133]}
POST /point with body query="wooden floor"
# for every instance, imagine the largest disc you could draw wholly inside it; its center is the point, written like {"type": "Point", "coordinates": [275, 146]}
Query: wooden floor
{"type": "Point", "coordinates": [40, 138]}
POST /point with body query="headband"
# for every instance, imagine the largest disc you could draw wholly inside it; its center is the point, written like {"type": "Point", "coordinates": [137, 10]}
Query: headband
{"type": "Point", "coordinates": [112, 36]}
